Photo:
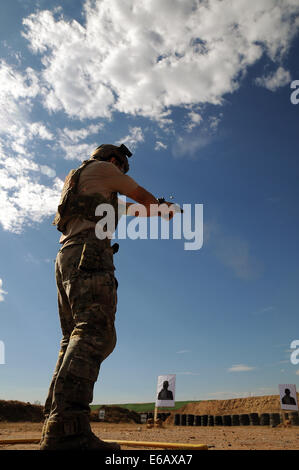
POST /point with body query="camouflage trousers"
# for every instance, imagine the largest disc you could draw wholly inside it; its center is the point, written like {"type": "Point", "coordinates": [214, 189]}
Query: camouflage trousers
{"type": "Point", "coordinates": [87, 299]}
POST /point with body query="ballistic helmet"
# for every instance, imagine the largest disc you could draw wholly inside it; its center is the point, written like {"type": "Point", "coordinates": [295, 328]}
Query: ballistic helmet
{"type": "Point", "coordinates": [106, 151]}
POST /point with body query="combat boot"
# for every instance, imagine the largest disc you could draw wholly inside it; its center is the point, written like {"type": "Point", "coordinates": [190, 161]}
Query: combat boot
{"type": "Point", "coordinates": [73, 435]}
{"type": "Point", "coordinates": [80, 442]}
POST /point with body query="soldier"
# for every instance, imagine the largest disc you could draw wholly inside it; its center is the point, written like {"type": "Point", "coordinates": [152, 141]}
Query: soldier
{"type": "Point", "coordinates": [87, 294]}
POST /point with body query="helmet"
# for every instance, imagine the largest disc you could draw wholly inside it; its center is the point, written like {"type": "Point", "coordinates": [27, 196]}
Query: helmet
{"type": "Point", "coordinates": [106, 151]}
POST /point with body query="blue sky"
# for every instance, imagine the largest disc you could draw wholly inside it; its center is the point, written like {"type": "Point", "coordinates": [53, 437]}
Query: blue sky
{"type": "Point", "coordinates": [202, 96]}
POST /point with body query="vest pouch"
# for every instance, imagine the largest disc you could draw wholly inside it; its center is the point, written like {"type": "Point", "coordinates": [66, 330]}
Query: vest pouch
{"type": "Point", "coordinates": [96, 256]}
{"type": "Point", "coordinates": [84, 206]}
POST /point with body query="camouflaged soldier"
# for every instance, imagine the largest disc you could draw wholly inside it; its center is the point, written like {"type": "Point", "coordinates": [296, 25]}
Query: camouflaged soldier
{"type": "Point", "coordinates": [87, 295]}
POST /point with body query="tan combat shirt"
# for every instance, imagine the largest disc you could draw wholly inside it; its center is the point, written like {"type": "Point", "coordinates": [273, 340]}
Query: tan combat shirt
{"type": "Point", "coordinates": [98, 177]}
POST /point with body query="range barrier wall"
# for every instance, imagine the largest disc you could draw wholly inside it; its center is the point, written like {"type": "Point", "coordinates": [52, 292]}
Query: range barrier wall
{"type": "Point", "coordinates": [244, 419]}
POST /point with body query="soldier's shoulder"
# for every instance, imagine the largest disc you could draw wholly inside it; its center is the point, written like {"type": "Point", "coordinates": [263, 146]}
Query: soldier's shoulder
{"type": "Point", "coordinates": [97, 166]}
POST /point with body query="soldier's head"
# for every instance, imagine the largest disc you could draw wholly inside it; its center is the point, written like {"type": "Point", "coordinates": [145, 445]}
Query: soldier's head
{"type": "Point", "coordinates": [287, 391]}
{"type": "Point", "coordinates": [112, 153]}
{"type": "Point", "coordinates": [165, 384]}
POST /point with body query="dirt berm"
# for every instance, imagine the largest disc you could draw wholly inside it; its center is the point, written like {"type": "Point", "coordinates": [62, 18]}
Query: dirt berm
{"type": "Point", "coordinates": [263, 404]}
{"type": "Point", "coordinates": [18, 411]}
{"type": "Point", "coordinates": [116, 414]}
{"type": "Point", "coordinates": [15, 411]}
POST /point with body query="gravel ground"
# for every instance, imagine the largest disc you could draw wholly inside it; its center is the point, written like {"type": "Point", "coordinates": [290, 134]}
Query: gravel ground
{"type": "Point", "coordinates": [220, 438]}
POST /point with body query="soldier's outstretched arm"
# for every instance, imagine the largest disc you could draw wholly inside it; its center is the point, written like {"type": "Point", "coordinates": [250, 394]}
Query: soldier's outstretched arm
{"type": "Point", "coordinates": [147, 201]}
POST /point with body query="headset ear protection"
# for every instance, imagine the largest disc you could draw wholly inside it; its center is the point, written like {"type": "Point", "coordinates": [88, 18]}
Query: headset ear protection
{"type": "Point", "coordinates": [123, 149]}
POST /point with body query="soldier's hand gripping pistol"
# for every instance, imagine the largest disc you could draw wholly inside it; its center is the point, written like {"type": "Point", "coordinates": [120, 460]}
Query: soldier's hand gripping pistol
{"type": "Point", "coordinates": [175, 207]}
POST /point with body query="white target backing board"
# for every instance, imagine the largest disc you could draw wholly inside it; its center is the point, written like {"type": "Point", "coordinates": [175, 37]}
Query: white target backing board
{"type": "Point", "coordinates": [102, 414]}
{"type": "Point", "coordinates": [165, 391]}
{"type": "Point", "coordinates": [288, 397]}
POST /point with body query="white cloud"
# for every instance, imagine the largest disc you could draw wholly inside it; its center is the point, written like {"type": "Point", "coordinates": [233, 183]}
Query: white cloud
{"type": "Point", "coordinates": [190, 145]}
{"type": "Point", "coordinates": [195, 117]}
{"type": "Point", "coordinates": [232, 251]}
{"type": "Point", "coordinates": [236, 254]}
{"type": "Point", "coordinates": [39, 129]}
{"type": "Point", "coordinates": [194, 120]}
{"type": "Point", "coordinates": [23, 199]}
{"type": "Point", "coordinates": [159, 145]}
{"type": "Point", "coordinates": [46, 170]}
{"type": "Point", "coordinates": [187, 145]}
{"type": "Point", "coordinates": [264, 310]}
{"type": "Point", "coordinates": [240, 368]}
{"type": "Point", "coordinates": [2, 292]}
{"type": "Point", "coordinates": [77, 151]}
{"type": "Point", "coordinates": [16, 94]}
{"type": "Point", "coordinates": [134, 138]}
{"type": "Point", "coordinates": [71, 141]}
{"type": "Point", "coordinates": [275, 80]}
{"type": "Point", "coordinates": [143, 57]}
{"type": "Point", "coordinates": [136, 57]}
{"type": "Point", "coordinates": [30, 258]}
{"type": "Point", "coordinates": [214, 121]}
{"type": "Point", "coordinates": [183, 351]}
{"type": "Point", "coordinates": [75, 135]}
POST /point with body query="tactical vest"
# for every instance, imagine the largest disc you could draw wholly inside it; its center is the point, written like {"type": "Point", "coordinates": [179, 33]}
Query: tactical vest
{"type": "Point", "coordinates": [73, 205]}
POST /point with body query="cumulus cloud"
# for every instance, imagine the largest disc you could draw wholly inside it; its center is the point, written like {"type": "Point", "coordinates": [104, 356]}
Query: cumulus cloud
{"type": "Point", "coordinates": [240, 368]}
{"type": "Point", "coordinates": [194, 119]}
{"type": "Point", "coordinates": [46, 170]}
{"type": "Point", "coordinates": [72, 141]}
{"type": "Point", "coordinates": [40, 130]}
{"type": "Point", "coordinates": [16, 94]}
{"type": "Point", "coordinates": [214, 121]}
{"type": "Point", "coordinates": [140, 58]}
{"type": "Point", "coordinates": [77, 152]}
{"type": "Point", "coordinates": [2, 292]}
{"type": "Point", "coordinates": [75, 135]}
{"type": "Point", "coordinates": [190, 145]}
{"type": "Point", "coordinates": [134, 138]}
{"type": "Point", "coordinates": [275, 80]}
{"type": "Point", "coordinates": [23, 198]}
{"type": "Point", "coordinates": [143, 57]}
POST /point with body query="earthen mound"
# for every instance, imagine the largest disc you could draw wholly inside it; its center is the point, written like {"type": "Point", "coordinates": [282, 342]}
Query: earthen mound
{"type": "Point", "coordinates": [15, 411]}
{"type": "Point", "coordinates": [116, 414]}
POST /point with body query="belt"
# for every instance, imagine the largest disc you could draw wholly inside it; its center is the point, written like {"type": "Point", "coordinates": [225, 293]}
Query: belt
{"type": "Point", "coordinates": [90, 235]}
